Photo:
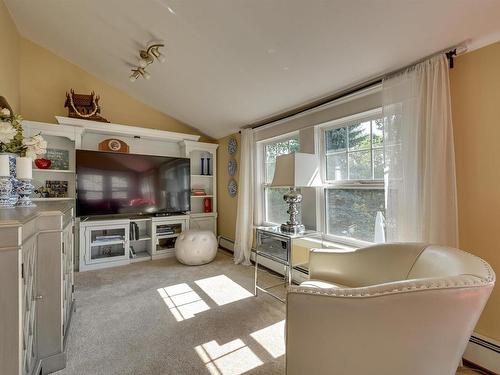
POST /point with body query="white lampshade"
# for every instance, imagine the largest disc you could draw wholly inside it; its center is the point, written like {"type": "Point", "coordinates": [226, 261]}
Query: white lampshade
{"type": "Point", "coordinates": [297, 170]}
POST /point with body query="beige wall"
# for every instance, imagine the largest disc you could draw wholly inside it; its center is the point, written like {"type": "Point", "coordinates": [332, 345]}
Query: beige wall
{"type": "Point", "coordinates": [475, 94]}
{"type": "Point", "coordinates": [9, 60]}
{"type": "Point", "coordinates": [226, 206]}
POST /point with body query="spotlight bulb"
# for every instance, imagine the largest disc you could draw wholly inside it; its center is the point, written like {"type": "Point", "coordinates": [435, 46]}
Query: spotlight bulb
{"type": "Point", "coordinates": [147, 75]}
{"type": "Point", "coordinates": [143, 63]}
{"type": "Point", "coordinates": [161, 57]}
{"type": "Point", "coordinates": [132, 78]}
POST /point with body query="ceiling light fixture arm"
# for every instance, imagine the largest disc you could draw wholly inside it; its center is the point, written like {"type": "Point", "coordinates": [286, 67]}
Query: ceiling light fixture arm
{"type": "Point", "coordinates": [147, 57]}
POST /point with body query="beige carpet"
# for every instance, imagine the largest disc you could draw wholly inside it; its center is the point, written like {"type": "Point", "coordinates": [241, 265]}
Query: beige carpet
{"type": "Point", "coordinates": [161, 317]}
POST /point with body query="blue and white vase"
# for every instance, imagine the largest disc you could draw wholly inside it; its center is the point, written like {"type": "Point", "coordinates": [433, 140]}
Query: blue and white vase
{"type": "Point", "coordinates": [25, 188]}
{"type": "Point", "coordinates": [5, 192]}
{"type": "Point", "coordinates": [14, 196]}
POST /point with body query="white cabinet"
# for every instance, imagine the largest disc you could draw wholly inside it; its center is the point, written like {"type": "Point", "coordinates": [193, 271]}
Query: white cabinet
{"type": "Point", "coordinates": [165, 231]}
{"type": "Point", "coordinates": [203, 221]}
{"type": "Point", "coordinates": [104, 243]}
{"type": "Point", "coordinates": [68, 279]}
{"type": "Point", "coordinates": [32, 269]}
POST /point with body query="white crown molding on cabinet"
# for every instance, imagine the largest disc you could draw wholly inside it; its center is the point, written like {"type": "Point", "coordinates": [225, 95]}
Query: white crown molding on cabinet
{"type": "Point", "coordinates": [126, 130]}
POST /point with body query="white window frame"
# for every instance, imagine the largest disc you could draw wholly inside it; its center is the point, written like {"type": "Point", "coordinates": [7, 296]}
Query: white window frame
{"type": "Point", "coordinates": [261, 185]}
{"type": "Point", "coordinates": [322, 217]}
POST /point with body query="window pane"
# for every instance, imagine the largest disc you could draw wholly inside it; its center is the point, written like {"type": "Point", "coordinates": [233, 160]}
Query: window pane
{"type": "Point", "coordinates": [336, 139]}
{"type": "Point", "coordinates": [378, 163]}
{"type": "Point", "coordinates": [276, 207]}
{"type": "Point", "coordinates": [352, 212]}
{"type": "Point", "coordinates": [359, 136]}
{"type": "Point", "coordinates": [378, 133]}
{"type": "Point", "coordinates": [336, 167]}
{"type": "Point", "coordinates": [360, 167]}
{"type": "Point", "coordinates": [293, 145]}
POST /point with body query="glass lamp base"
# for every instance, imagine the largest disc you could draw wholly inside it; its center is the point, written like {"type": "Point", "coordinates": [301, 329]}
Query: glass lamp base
{"type": "Point", "coordinates": [292, 229]}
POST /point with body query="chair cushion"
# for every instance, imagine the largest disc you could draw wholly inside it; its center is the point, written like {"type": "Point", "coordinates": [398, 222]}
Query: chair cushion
{"type": "Point", "coordinates": [321, 284]}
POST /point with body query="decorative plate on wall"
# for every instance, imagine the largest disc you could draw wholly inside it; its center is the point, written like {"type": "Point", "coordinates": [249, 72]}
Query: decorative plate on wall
{"type": "Point", "coordinates": [232, 188]}
{"type": "Point", "coordinates": [232, 146]}
{"type": "Point", "coordinates": [231, 167]}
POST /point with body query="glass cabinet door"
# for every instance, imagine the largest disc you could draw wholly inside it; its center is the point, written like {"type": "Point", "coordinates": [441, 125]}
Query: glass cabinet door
{"type": "Point", "coordinates": [107, 243]}
{"type": "Point", "coordinates": [166, 235]}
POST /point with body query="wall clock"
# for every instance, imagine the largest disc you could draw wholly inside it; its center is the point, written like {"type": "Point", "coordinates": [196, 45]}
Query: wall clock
{"type": "Point", "coordinates": [114, 145]}
{"type": "Point", "coordinates": [231, 167]}
{"type": "Point", "coordinates": [232, 146]}
{"type": "Point", "coordinates": [232, 188]}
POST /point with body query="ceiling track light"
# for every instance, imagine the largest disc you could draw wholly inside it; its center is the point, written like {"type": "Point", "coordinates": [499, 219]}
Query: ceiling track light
{"type": "Point", "coordinates": [138, 73]}
{"type": "Point", "coordinates": [146, 58]}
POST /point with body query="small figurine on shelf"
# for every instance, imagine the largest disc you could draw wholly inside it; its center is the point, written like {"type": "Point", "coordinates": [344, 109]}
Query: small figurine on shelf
{"type": "Point", "coordinates": [42, 192]}
{"type": "Point", "coordinates": [202, 172]}
{"type": "Point", "coordinates": [208, 167]}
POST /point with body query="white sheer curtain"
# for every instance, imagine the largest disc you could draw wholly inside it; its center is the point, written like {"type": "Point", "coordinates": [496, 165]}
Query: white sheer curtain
{"type": "Point", "coordinates": [244, 216]}
{"type": "Point", "coordinates": [421, 195]}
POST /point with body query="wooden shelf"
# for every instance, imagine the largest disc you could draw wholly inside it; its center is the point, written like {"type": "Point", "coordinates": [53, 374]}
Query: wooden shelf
{"type": "Point", "coordinates": [107, 243]}
{"type": "Point", "coordinates": [202, 196]}
{"type": "Point", "coordinates": [37, 170]}
{"type": "Point", "coordinates": [164, 236]}
{"type": "Point", "coordinates": [202, 175]}
{"type": "Point", "coordinates": [141, 239]}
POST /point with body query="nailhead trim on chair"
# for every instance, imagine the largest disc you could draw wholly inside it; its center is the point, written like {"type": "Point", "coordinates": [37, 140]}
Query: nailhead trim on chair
{"type": "Point", "coordinates": [460, 281]}
{"type": "Point", "coordinates": [463, 281]}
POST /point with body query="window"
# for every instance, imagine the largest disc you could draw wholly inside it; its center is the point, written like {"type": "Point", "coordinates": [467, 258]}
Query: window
{"type": "Point", "coordinates": [274, 206]}
{"type": "Point", "coordinates": [354, 173]}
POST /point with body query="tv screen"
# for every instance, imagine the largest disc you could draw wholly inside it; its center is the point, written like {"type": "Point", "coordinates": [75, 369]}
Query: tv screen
{"type": "Point", "coordinates": [111, 183]}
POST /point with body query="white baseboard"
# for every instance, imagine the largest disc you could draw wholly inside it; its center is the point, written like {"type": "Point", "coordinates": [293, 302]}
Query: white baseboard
{"type": "Point", "coordinates": [226, 243]}
{"type": "Point", "coordinates": [484, 351]}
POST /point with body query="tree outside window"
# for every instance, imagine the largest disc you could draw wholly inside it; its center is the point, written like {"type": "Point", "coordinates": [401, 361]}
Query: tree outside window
{"type": "Point", "coordinates": [354, 161]}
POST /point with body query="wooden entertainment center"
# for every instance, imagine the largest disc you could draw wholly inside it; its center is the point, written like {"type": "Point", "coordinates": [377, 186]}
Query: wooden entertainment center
{"type": "Point", "coordinates": [108, 242]}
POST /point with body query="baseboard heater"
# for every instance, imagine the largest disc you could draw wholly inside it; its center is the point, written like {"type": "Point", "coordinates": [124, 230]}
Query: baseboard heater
{"type": "Point", "coordinates": [226, 243]}
{"type": "Point", "coordinates": [484, 353]}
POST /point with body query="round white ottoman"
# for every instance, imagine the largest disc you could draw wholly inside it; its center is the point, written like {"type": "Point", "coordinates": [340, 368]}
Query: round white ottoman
{"type": "Point", "coordinates": [196, 247]}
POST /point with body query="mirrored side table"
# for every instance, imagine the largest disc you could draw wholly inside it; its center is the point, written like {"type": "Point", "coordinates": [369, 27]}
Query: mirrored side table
{"type": "Point", "coordinates": [275, 245]}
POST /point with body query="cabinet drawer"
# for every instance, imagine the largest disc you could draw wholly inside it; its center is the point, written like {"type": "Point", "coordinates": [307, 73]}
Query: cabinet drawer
{"type": "Point", "coordinates": [272, 246]}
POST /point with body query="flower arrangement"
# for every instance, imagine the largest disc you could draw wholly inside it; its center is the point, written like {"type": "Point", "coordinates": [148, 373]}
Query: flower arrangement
{"type": "Point", "coordinates": [12, 138]}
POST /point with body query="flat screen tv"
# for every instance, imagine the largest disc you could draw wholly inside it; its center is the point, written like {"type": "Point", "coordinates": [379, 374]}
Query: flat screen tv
{"type": "Point", "coordinates": [111, 183]}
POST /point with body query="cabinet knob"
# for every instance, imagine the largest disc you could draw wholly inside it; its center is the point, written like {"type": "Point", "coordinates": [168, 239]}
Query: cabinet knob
{"type": "Point", "coordinates": [39, 297]}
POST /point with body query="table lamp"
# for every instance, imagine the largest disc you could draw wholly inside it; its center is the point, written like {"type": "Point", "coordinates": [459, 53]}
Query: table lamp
{"type": "Point", "coordinates": [295, 170]}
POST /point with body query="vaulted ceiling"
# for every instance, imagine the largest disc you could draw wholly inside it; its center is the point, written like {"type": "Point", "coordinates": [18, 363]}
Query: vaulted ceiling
{"type": "Point", "coordinates": [234, 62]}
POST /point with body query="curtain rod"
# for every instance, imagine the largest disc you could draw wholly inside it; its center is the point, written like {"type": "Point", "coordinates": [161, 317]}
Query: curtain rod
{"type": "Point", "coordinates": [449, 52]}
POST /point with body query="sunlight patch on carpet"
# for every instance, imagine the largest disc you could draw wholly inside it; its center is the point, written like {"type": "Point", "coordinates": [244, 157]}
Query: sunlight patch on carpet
{"type": "Point", "coordinates": [272, 338]}
{"type": "Point", "coordinates": [223, 290]}
{"type": "Point", "coordinates": [182, 301]}
{"type": "Point", "coordinates": [233, 358]}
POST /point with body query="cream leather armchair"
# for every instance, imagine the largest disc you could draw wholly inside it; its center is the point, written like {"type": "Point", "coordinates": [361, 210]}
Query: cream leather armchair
{"type": "Point", "coordinates": [392, 309]}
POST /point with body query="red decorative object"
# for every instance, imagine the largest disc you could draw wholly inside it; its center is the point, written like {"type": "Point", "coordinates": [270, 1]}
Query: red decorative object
{"type": "Point", "coordinates": [43, 163]}
{"type": "Point", "coordinates": [207, 205]}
